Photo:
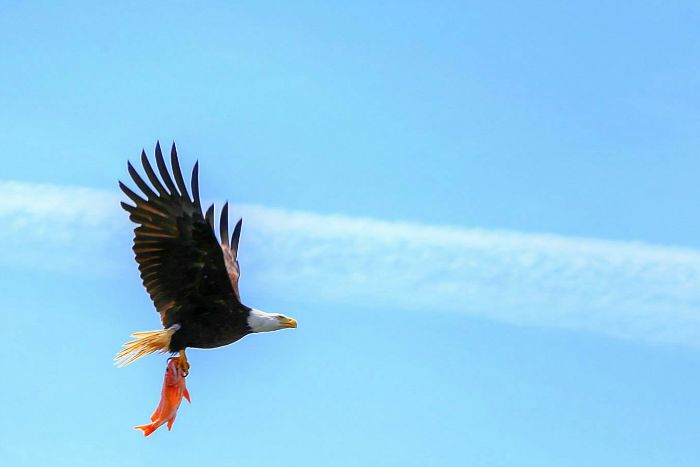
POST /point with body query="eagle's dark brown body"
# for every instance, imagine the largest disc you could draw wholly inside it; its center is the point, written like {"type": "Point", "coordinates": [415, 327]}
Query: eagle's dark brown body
{"type": "Point", "coordinates": [215, 328]}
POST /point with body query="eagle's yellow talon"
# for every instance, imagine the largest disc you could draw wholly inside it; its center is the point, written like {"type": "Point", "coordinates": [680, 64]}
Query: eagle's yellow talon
{"type": "Point", "coordinates": [184, 364]}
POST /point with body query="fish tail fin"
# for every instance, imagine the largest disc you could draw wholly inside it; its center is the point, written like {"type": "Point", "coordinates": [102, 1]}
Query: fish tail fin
{"type": "Point", "coordinates": [145, 343]}
{"type": "Point", "coordinates": [147, 429]}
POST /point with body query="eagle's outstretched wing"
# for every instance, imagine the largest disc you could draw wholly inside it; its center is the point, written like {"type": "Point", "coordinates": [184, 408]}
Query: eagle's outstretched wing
{"type": "Point", "coordinates": [230, 249]}
{"type": "Point", "coordinates": [183, 266]}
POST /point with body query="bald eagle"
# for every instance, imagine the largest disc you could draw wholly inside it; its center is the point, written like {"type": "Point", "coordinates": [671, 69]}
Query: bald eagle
{"type": "Point", "coordinates": [191, 276]}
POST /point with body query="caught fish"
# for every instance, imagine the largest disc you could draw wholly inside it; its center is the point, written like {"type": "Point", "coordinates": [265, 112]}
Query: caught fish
{"type": "Point", "coordinates": [170, 398]}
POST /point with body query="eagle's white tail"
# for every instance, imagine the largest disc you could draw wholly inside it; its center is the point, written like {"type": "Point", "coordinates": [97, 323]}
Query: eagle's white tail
{"type": "Point", "coordinates": [145, 342]}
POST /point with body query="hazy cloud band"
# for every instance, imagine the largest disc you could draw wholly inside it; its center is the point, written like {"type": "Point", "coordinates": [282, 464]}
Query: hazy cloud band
{"type": "Point", "coordinates": [624, 289]}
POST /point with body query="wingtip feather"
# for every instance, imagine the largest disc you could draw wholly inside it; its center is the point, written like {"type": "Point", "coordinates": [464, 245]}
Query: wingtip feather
{"type": "Point", "coordinates": [223, 225]}
{"type": "Point", "coordinates": [236, 236]}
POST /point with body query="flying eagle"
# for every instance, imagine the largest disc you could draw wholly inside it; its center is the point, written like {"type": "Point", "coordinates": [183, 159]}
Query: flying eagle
{"type": "Point", "coordinates": [191, 276]}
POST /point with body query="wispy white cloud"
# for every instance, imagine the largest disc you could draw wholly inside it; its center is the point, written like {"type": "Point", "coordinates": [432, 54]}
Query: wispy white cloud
{"type": "Point", "coordinates": [58, 227]}
{"type": "Point", "coordinates": [624, 289]}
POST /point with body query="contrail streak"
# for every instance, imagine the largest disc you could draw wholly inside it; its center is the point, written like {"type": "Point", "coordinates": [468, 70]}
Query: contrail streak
{"type": "Point", "coordinates": [624, 289]}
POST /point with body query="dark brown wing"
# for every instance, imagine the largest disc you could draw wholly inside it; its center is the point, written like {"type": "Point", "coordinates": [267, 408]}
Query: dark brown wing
{"type": "Point", "coordinates": [230, 250]}
{"type": "Point", "coordinates": [181, 262]}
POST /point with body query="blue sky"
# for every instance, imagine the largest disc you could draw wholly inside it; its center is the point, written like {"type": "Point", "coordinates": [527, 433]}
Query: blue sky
{"type": "Point", "coordinates": [484, 217]}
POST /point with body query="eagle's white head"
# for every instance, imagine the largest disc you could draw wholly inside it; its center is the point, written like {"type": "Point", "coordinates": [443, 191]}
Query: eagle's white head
{"type": "Point", "coordinates": [260, 321]}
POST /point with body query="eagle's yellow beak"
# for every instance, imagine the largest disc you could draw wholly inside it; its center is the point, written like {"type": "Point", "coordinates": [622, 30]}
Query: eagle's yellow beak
{"type": "Point", "coordinates": [288, 322]}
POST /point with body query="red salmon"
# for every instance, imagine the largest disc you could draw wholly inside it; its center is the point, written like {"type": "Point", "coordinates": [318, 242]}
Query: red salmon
{"type": "Point", "coordinates": [170, 398]}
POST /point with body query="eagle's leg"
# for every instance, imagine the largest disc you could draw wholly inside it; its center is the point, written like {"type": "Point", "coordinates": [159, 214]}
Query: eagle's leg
{"type": "Point", "coordinates": [184, 364]}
